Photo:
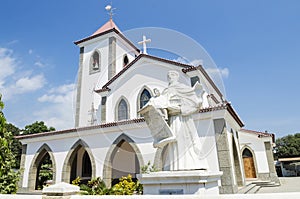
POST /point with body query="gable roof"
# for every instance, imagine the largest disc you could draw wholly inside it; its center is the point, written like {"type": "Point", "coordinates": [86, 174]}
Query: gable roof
{"type": "Point", "coordinates": [185, 68]}
{"type": "Point", "coordinates": [260, 134]}
{"type": "Point", "coordinates": [107, 28]}
{"type": "Point", "coordinates": [105, 87]}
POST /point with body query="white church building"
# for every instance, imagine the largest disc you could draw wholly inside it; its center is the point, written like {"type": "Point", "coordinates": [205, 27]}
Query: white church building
{"type": "Point", "coordinates": [117, 79]}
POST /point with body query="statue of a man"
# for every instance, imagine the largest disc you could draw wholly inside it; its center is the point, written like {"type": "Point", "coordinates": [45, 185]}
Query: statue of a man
{"type": "Point", "coordinates": [181, 102]}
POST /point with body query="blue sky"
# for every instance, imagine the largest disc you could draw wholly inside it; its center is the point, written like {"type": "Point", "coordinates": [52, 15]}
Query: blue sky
{"type": "Point", "coordinates": [256, 42]}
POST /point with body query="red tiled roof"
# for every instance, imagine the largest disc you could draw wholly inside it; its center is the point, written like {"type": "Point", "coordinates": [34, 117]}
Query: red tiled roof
{"type": "Point", "coordinates": [260, 134]}
{"type": "Point", "coordinates": [226, 106]}
{"type": "Point", "coordinates": [105, 125]}
{"type": "Point", "coordinates": [107, 26]}
{"type": "Point", "coordinates": [117, 123]}
{"type": "Point", "coordinates": [105, 30]}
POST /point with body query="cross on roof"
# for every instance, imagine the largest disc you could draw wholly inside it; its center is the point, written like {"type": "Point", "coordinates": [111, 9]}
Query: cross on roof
{"type": "Point", "coordinates": [144, 44]}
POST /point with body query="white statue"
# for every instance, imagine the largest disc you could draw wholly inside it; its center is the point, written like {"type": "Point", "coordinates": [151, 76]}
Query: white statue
{"type": "Point", "coordinates": [180, 101]}
{"type": "Point", "coordinates": [160, 103]}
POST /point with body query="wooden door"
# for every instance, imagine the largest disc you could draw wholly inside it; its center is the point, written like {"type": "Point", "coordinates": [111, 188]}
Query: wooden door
{"type": "Point", "coordinates": [249, 167]}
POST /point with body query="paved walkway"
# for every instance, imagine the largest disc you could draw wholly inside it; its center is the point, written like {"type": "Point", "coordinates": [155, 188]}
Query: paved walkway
{"type": "Point", "coordinates": [288, 184]}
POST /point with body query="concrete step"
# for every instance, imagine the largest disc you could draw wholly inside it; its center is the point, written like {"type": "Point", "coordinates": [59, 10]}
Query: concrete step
{"type": "Point", "coordinates": [254, 190]}
{"type": "Point", "coordinates": [246, 189]}
{"type": "Point", "coordinates": [266, 183]}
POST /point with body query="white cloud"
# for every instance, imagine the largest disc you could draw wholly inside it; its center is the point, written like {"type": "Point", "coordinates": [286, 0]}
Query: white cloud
{"type": "Point", "coordinates": [30, 51]}
{"type": "Point", "coordinates": [13, 42]}
{"type": "Point", "coordinates": [183, 60]}
{"type": "Point", "coordinates": [215, 72]}
{"type": "Point", "coordinates": [14, 79]}
{"type": "Point", "coordinates": [39, 64]}
{"type": "Point", "coordinates": [62, 89]}
{"type": "Point", "coordinates": [7, 63]}
{"type": "Point", "coordinates": [58, 110]}
{"type": "Point", "coordinates": [197, 62]}
{"type": "Point", "coordinates": [27, 84]}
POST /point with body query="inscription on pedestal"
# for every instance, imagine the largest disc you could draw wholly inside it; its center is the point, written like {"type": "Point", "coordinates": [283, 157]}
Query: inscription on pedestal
{"type": "Point", "coordinates": [171, 192]}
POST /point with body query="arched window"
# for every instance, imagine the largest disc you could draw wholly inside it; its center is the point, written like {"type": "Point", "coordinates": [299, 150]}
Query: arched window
{"type": "Point", "coordinates": [95, 62]}
{"type": "Point", "coordinates": [249, 163]}
{"type": "Point", "coordinates": [194, 80]}
{"type": "Point", "coordinates": [144, 98]}
{"type": "Point", "coordinates": [122, 110]}
{"type": "Point", "coordinates": [247, 153]}
{"type": "Point", "coordinates": [125, 60]}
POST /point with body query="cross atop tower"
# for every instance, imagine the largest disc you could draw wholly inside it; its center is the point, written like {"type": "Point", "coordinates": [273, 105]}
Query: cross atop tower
{"type": "Point", "coordinates": [144, 44]}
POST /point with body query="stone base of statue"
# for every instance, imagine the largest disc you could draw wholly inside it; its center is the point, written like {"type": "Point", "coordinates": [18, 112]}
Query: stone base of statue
{"type": "Point", "coordinates": [180, 182]}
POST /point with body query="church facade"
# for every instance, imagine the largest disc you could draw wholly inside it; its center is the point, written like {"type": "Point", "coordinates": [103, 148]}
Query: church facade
{"type": "Point", "coordinates": [111, 139]}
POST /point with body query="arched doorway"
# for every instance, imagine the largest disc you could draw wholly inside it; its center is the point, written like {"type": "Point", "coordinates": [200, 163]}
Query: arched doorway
{"type": "Point", "coordinates": [79, 163]}
{"type": "Point", "coordinates": [42, 169]}
{"type": "Point", "coordinates": [124, 162]}
{"type": "Point", "coordinates": [249, 166]}
{"type": "Point", "coordinates": [122, 158]}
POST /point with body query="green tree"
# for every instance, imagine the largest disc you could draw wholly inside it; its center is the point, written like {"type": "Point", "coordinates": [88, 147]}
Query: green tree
{"type": "Point", "coordinates": [37, 127]}
{"type": "Point", "coordinates": [16, 146]}
{"type": "Point", "coordinates": [8, 177]}
{"type": "Point", "coordinates": [45, 172]}
{"type": "Point", "coordinates": [288, 146]}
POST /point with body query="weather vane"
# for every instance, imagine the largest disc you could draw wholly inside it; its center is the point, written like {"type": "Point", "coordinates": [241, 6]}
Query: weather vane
{"type": "Point", "coordinates": [110, 10]}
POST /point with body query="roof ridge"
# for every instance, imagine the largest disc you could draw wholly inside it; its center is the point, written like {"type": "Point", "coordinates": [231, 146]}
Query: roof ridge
{"type": "Point", "coordinates": [257, 132]}
{"type": "Point", "coordinates": [103, 125]}
{"type": "Point", "coordinates": [105, 86]}
{"type": "Point", "coordinates": [107, 26]}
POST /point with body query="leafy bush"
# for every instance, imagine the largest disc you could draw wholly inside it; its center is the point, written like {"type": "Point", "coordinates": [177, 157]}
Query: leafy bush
{"type": "Point", "coordinates": [8, 177]}
{"type": "Point", "coordinates": [96, 186]}
{"type": "Point", "coordinates": [126, 187]}
{"type": "Point", "coordinates": [149, 168]}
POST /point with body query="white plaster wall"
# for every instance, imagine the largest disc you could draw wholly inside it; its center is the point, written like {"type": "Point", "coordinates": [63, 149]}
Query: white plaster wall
{"type": "Point", "coordinates": [97, 80]}
{"type": "Point", "coordinates": [129, 85]}
{"type": "Point", "coordinates": [121, 50]}
{"type": "Point", "coordinates": [206, 134]}
{"type": "Point", "coordinates": [100, 141]}
{"type": "Point", "coordinates": [257, 145]}
{"type": "Point", "coordinates": [92, 81]}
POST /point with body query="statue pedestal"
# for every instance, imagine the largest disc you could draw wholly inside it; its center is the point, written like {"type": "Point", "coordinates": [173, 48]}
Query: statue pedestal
{"type": "Point", "coordinates": [180, 182]}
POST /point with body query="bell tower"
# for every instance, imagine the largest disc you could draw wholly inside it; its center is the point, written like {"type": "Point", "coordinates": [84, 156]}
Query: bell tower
{"type": "Point", "coordinates": [102, 56]}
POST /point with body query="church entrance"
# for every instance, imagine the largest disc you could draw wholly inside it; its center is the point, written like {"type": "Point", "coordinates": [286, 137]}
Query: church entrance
{"type": "Point", "coordinates": [44, 172]}
{"type": "Point", "coordinates": [81, 166]}
{"type": "Point", "coordinates": [42, 169]}
{"type": "Point", "coordinates": [80, 163]}
{"type": "Point", "coordinates": [249, 166]}
{"type": "Point", "coordinates": [124, 162]}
